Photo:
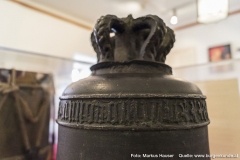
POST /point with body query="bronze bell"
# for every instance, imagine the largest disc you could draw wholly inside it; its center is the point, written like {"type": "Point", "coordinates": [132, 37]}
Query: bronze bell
{"type": "Point", "coordinates": [131, 106]}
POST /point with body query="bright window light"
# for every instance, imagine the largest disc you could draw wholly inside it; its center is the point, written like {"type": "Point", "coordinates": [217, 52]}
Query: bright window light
{"type": "Point", "coordinates": [212, 10]}
{"type": "Point", "coordinates": [75, 75]}
{"type": "Point", "coordinates": [78, 74]}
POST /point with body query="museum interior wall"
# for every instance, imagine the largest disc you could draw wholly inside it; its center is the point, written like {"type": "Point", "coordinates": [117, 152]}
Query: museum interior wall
{"type": "Point", "coordinates": [34, 41]}
{"type": "Point", "coordinates": [224, 129]}
{"type": "Point", "coordinates": [29, 30]}
{"type": "Point", "coordinates": [194, 42]}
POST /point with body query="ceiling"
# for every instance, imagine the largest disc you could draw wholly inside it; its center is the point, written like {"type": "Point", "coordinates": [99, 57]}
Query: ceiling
{"type": "Point", "coordinates": [90, 10]}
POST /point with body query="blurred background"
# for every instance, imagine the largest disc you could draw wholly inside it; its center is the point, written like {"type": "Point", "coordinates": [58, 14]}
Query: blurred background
{"type": "Point", "coordinates": [53, 36]}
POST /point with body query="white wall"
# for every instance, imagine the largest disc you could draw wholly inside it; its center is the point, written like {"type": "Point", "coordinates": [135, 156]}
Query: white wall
{"type": "Point", "coordinates": [26, 29]}
{"type": "Point", "coordinates": [199, 38]}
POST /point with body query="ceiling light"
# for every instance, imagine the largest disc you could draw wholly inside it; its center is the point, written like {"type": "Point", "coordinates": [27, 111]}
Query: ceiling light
{"type": "Point", "coordinates": [212, 10]}
{"type": "Point", "coordinates": [174, 18]}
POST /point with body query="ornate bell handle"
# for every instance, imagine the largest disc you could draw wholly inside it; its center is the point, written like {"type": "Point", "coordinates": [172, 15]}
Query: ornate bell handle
{"type": "Point", "coordinates": [101, 40]}
{"type": "Point", "coordinates": [146, 22]}
{"type": "Point", "coordinates": [157, 45]}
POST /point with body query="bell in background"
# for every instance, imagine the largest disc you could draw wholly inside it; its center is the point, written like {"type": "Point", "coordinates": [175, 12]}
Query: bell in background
{"type": "Point", "coordinates": [131, 106]}
{"type": "Point", "coordinates": [26, 106]}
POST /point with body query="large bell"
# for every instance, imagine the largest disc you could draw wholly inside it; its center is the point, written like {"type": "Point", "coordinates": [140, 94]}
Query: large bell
{"type": "Point", "coordinates": [131, 106]}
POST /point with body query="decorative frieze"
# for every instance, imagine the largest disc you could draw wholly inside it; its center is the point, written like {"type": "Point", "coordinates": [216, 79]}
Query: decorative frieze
{"type": "Point", "coordinates": [133, 112]}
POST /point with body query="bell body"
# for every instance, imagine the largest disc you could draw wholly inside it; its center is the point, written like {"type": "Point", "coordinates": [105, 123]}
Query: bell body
{"type": "Point", "coordinates": [133, 109]}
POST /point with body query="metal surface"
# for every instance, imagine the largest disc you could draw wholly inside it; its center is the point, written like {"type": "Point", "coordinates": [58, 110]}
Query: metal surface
{"type": "Point", "coordinates": [132, 104]}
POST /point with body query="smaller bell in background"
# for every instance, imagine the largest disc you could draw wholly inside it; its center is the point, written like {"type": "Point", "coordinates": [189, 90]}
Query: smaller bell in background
{"type": "Point", "coordinates": [131, 106]}
{"type": "Point", "coordinates": [26, 102]}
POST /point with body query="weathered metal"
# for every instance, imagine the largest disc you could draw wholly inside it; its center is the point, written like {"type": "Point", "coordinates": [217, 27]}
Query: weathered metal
{"type": "Point", "coordinates": [131, 106]}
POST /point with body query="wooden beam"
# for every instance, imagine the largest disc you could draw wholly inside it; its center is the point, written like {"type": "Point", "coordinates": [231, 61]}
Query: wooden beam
{"type": "Point", "coordinates": [234, 12]}
{"type": "Point", "coordinates": [90, 28]}
{"type": "Point", "coordinates": [52, 14]}
{"type": "Point", "coordinates": [186, 26]}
